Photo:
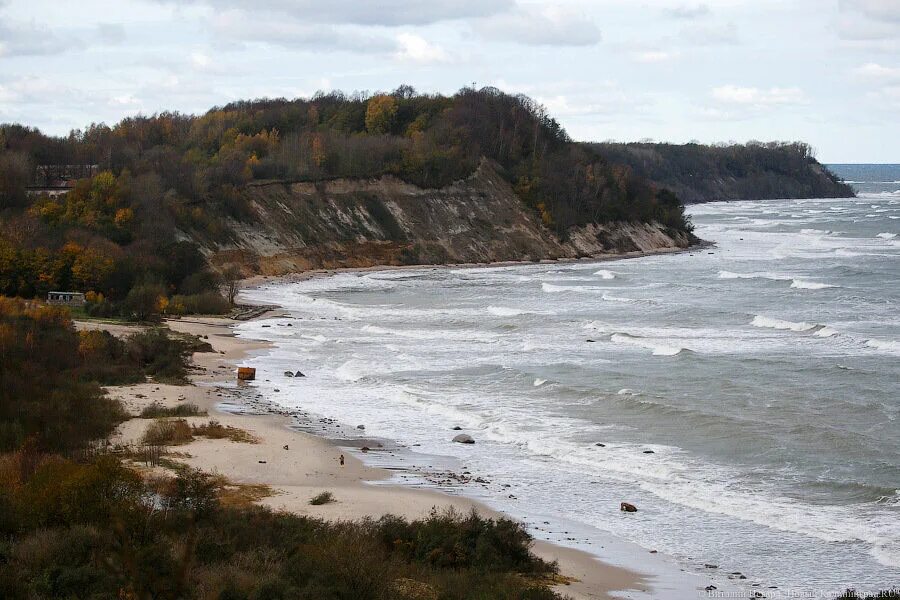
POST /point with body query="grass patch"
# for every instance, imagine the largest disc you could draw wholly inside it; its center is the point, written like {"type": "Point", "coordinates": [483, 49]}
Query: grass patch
{"type": "Point", "coordinates": [174, 432]}
{"type": "Point", "coordinates": [242, 495]}
{"type": "Point", "coordinates": [157, 411]}
{"type": "Point", "coordinates": [168, 433]}
{"type": "Point", "coordinates": [217, 431]}
{"type": "Point", "coordinates": [323, 498]}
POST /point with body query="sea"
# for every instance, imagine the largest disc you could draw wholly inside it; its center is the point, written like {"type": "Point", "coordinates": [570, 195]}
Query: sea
{"type": "Point", "coordinates": [744, 396]}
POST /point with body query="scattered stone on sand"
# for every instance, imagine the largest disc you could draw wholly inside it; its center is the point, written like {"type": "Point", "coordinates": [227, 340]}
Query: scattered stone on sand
{"type": "Point", "coordinates": [599, 445]}
{"type": "Point", "coordinates": [288, 373]}
{"type": "Point", "coordinates": [649, 452]}
{"type": "Point", "coordinates": [457, 428]}
{"type": "Point", "coordinates": [364, 449]}
{"type": "Point", "coordinates": [360, 426]}
{"type": "Point", "coordinates": [286, 447]}
{"type": "Point", "coordinates": [628, 507]}
{"type": "Point", "coordinates": [709, 566]}
{"type": "Point", "coordinates": [464, 438]}
{"type": "Point", "coordinates": [590, 341]}
{"type": "Point", "coordinates": [299, 374]}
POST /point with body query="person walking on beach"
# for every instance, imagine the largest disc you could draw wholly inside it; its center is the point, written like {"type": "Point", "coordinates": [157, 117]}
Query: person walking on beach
{"type": "Point", "coordinates": [342, 460]}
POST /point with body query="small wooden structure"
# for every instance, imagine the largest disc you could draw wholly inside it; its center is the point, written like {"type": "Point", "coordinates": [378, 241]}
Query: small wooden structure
{"type": "Point", "coordinates": [246, 373]}
{"type": "Point", "coordinates": [66, 298]}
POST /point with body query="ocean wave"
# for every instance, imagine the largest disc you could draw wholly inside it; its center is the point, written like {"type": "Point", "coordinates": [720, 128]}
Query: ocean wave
{"type": "Point", "coordinates": [611, 298]}
{"type": "Point", "coordinates": [769, 323]}
{"type": "Point", "coordinates": [801, 284]}
{"type": "Point", "coordinates": [826, 332]}
{"type": "Point", "coordinates": [886, 236]}
{"type": "Point", "coordinates": [538, 382]}
{"type": "Point", "coordinates": [555, 289]}
{"type": "Point", "coordinates": [890, 346]}
{"type": "Point", "coordinates": [605, 274]}
{"type": "Point", "coordinates": [761, 275]}
{"type": "Point", "coordinates": [503, 311]}
{"type": "Point", "coordinates": [657, 348]}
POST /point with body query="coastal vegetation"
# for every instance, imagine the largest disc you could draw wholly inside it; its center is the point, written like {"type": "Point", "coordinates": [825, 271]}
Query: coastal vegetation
{"type": "Point", "coordinates": [752, 171]}
{"type": "Point", "coordinates": [78, 521]}
{"type": "Point", "coordinates": [155, 193]}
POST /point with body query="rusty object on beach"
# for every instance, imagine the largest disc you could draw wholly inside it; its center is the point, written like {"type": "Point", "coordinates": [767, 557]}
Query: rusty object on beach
{"type": "Point", "coordinates": [246, 373]}
{"type": "Point", "coordinates": [628, 507]}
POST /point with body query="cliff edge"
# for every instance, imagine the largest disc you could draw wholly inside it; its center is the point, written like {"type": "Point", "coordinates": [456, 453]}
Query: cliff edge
{"type": "Point", "coordinates": [299, 226]}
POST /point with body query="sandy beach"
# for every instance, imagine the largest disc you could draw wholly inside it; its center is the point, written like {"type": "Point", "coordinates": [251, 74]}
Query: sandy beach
{"type": "Point", "coordinates": [296, 465]}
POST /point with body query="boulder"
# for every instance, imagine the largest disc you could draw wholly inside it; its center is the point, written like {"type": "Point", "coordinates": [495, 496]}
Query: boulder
{"type": "Point", "coordinates": [464, 439]}
{"type": "Point", "coordinates": [457, 428]}
{"type": "Point", "coordinates": [600, 445]}
{"type": "Point", "coordinates": [649, 452]}
{"type": "Point", "coordinates": [288, 373]}
{"type": "Point", "coordinates": [299, 374]}
{"type": "Point", "coordinates": [627, 507]}
{"type": "Point", "coordinates": [360, 426]}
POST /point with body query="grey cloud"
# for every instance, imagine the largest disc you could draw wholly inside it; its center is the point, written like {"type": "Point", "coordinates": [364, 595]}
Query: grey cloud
{"type": "Point", "coordinates": [882, 10]}
{"type": "Point", "coordinates": [552, 26]}
{"type": "Point", "coordinates": [688, 11]}
{"type": "Point", "coordinates": [111, 33]}
{"type": "Point", "coordinates": [357, 12]}
{"type": "Point", "coordinates": [710, 35]}
{"type": "Point", "coordinates": [235, 26]}
{"type": "Point", "coordinates": [21, 39]}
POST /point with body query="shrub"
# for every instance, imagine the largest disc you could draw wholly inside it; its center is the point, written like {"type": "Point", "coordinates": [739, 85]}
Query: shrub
{"type": "Point", "coordinates": [160, 356]}
{"type": "Point", "coordinates": [206, 303]}
{"type": "Point", "coordinates": [168, 433]}
{"type": "Point", "coordinates": [323, 498]}
{"type": "Point", "coordinates": [217, 431]}
{"type": "Point", "coordinates": [156, 411]}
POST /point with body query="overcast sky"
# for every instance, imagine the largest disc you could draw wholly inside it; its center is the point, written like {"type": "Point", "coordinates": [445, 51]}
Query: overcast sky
{"type": "Point", "coordinates": [823, 71]}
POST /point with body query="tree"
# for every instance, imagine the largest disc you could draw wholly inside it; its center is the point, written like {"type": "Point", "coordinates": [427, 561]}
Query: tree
{"type": "Point", "coordinates": [380, 114]}
{"type": "Point", "coordinates": [231, 275]}
{"type": "Point", "coordinates": [143, 301]}
{"type": "Point", "coordinates": [14, 175]}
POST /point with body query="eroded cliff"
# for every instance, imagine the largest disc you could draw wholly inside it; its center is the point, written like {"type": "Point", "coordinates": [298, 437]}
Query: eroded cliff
{"type": "Point", "coordinates": [358, 223]}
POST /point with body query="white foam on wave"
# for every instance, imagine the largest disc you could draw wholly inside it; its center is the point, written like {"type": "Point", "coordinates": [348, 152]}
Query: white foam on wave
{"type": "Point", "coordinates": [801, 284]}
{"type": "Point", "coordinates": [769, 323]}
{"type": "Point", "coordinates": [555, 289]}
{"type": "Point", "coordinates": [503, 311]}
{"type": "Point", "coordinates": [657, 348]}
{"type": "Point", "coordinates": [890, 346]}
{"type": "Point", "coordinates": [539, 382]}
{"type": "Point", "coordinates": [605, 274]}
{"type": "Point", "coordinates": [826, 332]}
{"type": "Point", "coordinates": [886, 236]}
{"type": "Point", "coordinates": [611, 298]}
{"type": "Point", "coordinates": [760, 275]}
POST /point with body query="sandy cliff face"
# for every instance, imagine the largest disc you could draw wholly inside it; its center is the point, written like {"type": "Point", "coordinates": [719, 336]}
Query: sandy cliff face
{"type": "Point", "coordinates": [360, 223]}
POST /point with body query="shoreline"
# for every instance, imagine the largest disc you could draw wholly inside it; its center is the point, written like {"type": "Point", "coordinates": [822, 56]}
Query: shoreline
{"type": "Point", "coordinates": [295, 465]}
{"type": "Point", "coordinates": [257, 280]}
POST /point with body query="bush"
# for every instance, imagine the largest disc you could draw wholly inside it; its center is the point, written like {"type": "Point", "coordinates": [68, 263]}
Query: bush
{"type": "Point", "coordinates": [168, 433]}
{"type": "Point", "coordinates": [159, 355]}
{"type": "Point", "coordinates": [217, 431]}
{"type": "Point", "coordinates": [323, 498]}
{"type": "Point", "coordinates": [156, 411]}
{"type": "Point", "coordinates": [206, 303]}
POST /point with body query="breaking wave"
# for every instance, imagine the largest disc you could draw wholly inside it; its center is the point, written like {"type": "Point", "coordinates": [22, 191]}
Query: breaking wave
{"type": "Point", "coordinates": [657, 348]}
{"type": "Point", "coordinates": [801, 284]}
{"type": "Point", "coordinates": [769, 323]}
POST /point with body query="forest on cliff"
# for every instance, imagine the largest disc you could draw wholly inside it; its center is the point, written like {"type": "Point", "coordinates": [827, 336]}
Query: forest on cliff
{"type": "Point", "coordinates": [751, 171]}
{"type": "Point", "coordinates": [158, 184]}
